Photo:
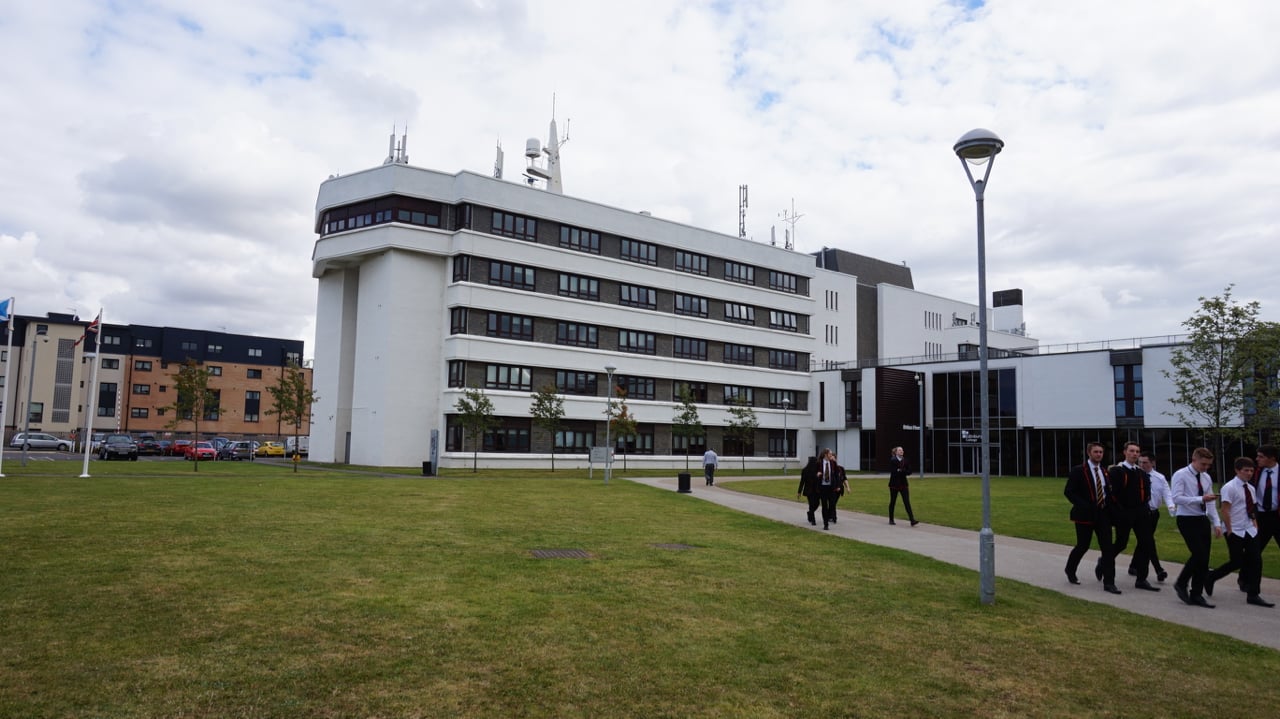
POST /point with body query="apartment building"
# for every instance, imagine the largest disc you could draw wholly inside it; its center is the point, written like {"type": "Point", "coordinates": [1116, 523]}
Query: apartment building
{"type": "Point", "coordinates": [135, 382]}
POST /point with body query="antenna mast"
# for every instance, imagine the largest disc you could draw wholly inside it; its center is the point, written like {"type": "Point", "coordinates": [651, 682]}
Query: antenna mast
{"type": "Point", "coordinates": [742, 211]}
{"type": "Point", "coordinates": [791, 219]}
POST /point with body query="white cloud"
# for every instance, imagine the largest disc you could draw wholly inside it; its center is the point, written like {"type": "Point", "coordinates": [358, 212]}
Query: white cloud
{"type": "Point", "coordinates": [163, 158]}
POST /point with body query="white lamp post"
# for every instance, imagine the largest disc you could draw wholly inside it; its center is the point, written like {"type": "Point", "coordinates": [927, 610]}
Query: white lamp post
{"type": "Point", "coordinates": [786, 445]}
{"type": "Point", "coordinates": [920, 392]}
{"type": "Point", "coordinates": [608, 413]}
{"type": "Point", "coordinates": [41, 336]}
{"type": "Point", "coordinates": [977, 148]}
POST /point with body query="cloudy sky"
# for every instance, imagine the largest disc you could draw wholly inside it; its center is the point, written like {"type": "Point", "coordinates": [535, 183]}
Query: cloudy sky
{"type": "Point", "coordinates": [161, 158]}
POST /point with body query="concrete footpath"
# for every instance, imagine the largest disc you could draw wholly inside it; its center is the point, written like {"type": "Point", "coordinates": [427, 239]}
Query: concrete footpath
{"type": "Point", "coordinates": [1037, 563]}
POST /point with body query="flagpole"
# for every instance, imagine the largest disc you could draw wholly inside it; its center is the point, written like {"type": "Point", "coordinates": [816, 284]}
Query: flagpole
{"type": "Point", "coordinates": [93, 396]}
{"type": "Point", "coordinates": [8, 362]}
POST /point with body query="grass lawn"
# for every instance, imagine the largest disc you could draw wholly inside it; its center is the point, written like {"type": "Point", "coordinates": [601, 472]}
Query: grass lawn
{"type": "Point", "coordinates": [1027, 507]}
{"type": "Point", "coordinates": [245, 590]}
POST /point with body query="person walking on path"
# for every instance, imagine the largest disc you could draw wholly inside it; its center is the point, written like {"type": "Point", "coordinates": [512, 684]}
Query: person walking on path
{"type": "Point", "coordinates": [709, 463]}
{"type": "Point", "coordinates": [1160, 496]}
{"type": "Point", "coordinates": [808, 486]}
{"type": "Point", "coordinates": [1238, 508]}
{"type": "Point", "coordinates": [1198, 523]}
{"type": "Point", "coordinates": [827, 488]}
{"type": "Point", "coordinates": [841, 481]}
{"type": "Point", "coordinates": [898, 471]}
{"type": "Point", "coordinates": [1086, 489]}
{"type": "Point", "coordinates": [1132, 488]}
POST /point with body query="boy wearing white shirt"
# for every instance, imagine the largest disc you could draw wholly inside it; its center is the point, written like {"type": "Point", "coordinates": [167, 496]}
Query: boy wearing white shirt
{"type": "Point", "coordinates": [1238, 503]}
{"type": "Point", "coordinates": [1161, 495]}
{"type": "Point", "coordinates": [1196, 507]}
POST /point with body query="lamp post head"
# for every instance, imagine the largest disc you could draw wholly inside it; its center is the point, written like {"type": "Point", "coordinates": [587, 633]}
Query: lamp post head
{"type": "Point", "coordinates": [786, 402]}
{"type": "Point", "coordinates": [609, 368]}
{"type": "Point", "coordinates": [978, 146]}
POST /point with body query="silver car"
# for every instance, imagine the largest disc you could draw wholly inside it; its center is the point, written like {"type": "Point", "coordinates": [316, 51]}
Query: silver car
{"type": "Point", "coordinates": [40, 440]}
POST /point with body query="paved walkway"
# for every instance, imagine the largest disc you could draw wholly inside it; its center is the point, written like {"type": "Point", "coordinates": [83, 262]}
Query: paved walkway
{"type": "Point", "coordinates": [1037, 563]}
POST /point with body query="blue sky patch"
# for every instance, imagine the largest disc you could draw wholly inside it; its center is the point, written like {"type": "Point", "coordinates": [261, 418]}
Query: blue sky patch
{"type": "Point", "coordinates": [767, 100]}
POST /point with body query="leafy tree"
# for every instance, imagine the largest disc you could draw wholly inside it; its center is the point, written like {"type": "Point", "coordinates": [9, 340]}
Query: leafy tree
{"type": "Point", "coordinates": [193, 401]}
{"type": "Point", "coordinates": [686, 422]}
{"type": "Point", "coordinates": [1213, 369]}
{"type": "Point", "coordinates": [742, 427]}
{"type": "Point", "coordinates": [292, 400]}
{"type": "Point", "coordinates": [475, 413]}
{"type": "Point", "coordinates": [548, 414]}
{"type": "Point", "coordinates": [622, 423]}
{"type": "Point", "coordinates": [1262, 408]}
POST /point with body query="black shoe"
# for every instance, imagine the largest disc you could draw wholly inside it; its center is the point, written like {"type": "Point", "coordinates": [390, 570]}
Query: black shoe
{"type": "Point", "coordinates": [892, 522]}
{"type": "Point", "coordinates": [1071, 576]}
{"type": "Point", "coordinates": [1258, 601]}
{"type": "Point", "coordinates": [1161, 575]}
{"type": "Point", "coordinates": [833, 520]}
{"type": "Point", "coordinates": [1133, 572]}
{"type": "Point", "coordinates": [812, 521]}
{"type": "Point", "coordinates": [914, 522]}
{"type": "Point", "coordinates": [1110, 588]}
{"type": "Point", "coordinates": [825, 527]}
{"type": "Point", "coordinates": [1202, 602]}
{"type": "Point", "coordinates": [1181, 591]}
{"type": "Point", "coordinates": [1097, 571]}
{"type": "Point", "coordinates": [1144, 584]}
{"type": "Point", "coordinates": [1209, 581]}
{"type": "Point", "coordinates": [1240, 583]}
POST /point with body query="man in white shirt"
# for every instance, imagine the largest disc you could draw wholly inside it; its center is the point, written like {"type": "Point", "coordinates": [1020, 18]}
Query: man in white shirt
{"type": "Point", "coordinates": [709, 463]}
{"type": "Point", "coordinates": [1238, 505]}
{"type": "Point", "coordinates": [1196, 507]}
{"type": "Point", "coordinates": [1161, 496]}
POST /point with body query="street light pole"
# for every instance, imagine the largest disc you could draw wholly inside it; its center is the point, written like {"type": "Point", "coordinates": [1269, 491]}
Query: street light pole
{"type": "Point", "coordinates": [977, 148]}
{"type": "Point", "coordinates": [608, 414]}
{"type": "Point", "coordinates": [41, 335]}
{"type": "Point", "coordinates": [786, 445]}
{"type": "Point", "coordinates": [920, 392]}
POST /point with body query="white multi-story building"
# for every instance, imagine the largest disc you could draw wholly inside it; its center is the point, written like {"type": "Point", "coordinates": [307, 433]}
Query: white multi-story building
{"type": "Point", "coordinates": [432, 282]}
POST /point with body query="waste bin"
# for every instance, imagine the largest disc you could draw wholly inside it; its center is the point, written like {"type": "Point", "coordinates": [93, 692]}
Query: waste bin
{"type": "Point", "coordinates": [683, 482]}
{"type": "Point", "coordinates": [426, 470]}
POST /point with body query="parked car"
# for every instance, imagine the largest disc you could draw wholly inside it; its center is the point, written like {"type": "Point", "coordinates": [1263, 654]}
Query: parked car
{"type": "Point", "coordinates": [40, 440]}
{"type": "Point", "coordinates": [118, 446]}
{"type": "Point", "coordinates": [95, 441]}
{"type": "Point", "coordinates": [302, 445]}
{"type": "Point", "coordinates": [166, 447]}
{"type": "Point", "coordinates": [179, 447]}
{"type": "Point", "coordinates": [217, 442]}
{"type": "Point", "coordinates": [271, 449]}
{"type": "Point", "coordinates": [200, 451]}
{"type": "Point", "coordinates": [148, 444]}
{"type": "Point", "coordinates": [236, 451]}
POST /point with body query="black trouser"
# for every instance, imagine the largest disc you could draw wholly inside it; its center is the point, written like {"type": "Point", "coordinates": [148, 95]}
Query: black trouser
{"type": "Point", "coordinates": [1084, 535]}
{"type": "Point", "coordinates": [1144, 538]}
{"type": "Point", "coordinates": [906, 501]}
{"type": "Point", "coordinates": [835, 499]}
{"type": "Point", "coordinates": [814, 501]}
{"type": "Point", "coordinates": [1122, 522]}
{"type": "Point", "coordinates": [1153, 519]}
{"type": "Point", "coordinates": [709, 473]}
{"type": "Point", "coordinates": [1268, 529]}
{"type": "Point", "coordinates": [1197, 532]}
{"type": "Point", "coordinates": [828, 497]}
{"type": "Point", "coordinates": [1245, 557]}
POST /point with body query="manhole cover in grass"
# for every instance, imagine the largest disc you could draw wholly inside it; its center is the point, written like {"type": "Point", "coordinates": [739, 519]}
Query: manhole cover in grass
{"type": "Point", "coordinates": [560, 554]}
{"type": "Point", "coordinates": [676, 547]}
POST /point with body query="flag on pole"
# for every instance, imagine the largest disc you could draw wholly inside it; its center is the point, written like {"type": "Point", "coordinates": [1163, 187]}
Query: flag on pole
{"type": "Point", "coordinates": [6, 311]}
{"type": "Point", "coordinates": [93, 327]}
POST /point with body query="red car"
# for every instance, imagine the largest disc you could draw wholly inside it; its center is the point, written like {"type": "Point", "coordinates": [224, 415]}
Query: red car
{"type": "Point", "coordinates": [200, 450]}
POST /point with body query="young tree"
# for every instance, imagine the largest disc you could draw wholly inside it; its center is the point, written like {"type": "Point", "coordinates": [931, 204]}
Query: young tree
{"type": "Point", "coordinates": [742, 427]}
{"type": "Point", "coordinates": [1211, 371]}
{"type": "Point", "coordinates": [621, 422]}
{"type": "Point", "coordinates": [193, 401]}
{"type": "Point", "coordinates": [686, 422]}
{"type": "Point", "coordinates": [548, 414]}
{"type": "Point", "coordinates": [1262, 411]}
{"type": "Point", "coordinates": [475, 413]}
{"type": "Point", "coordinates": [292, 400]}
